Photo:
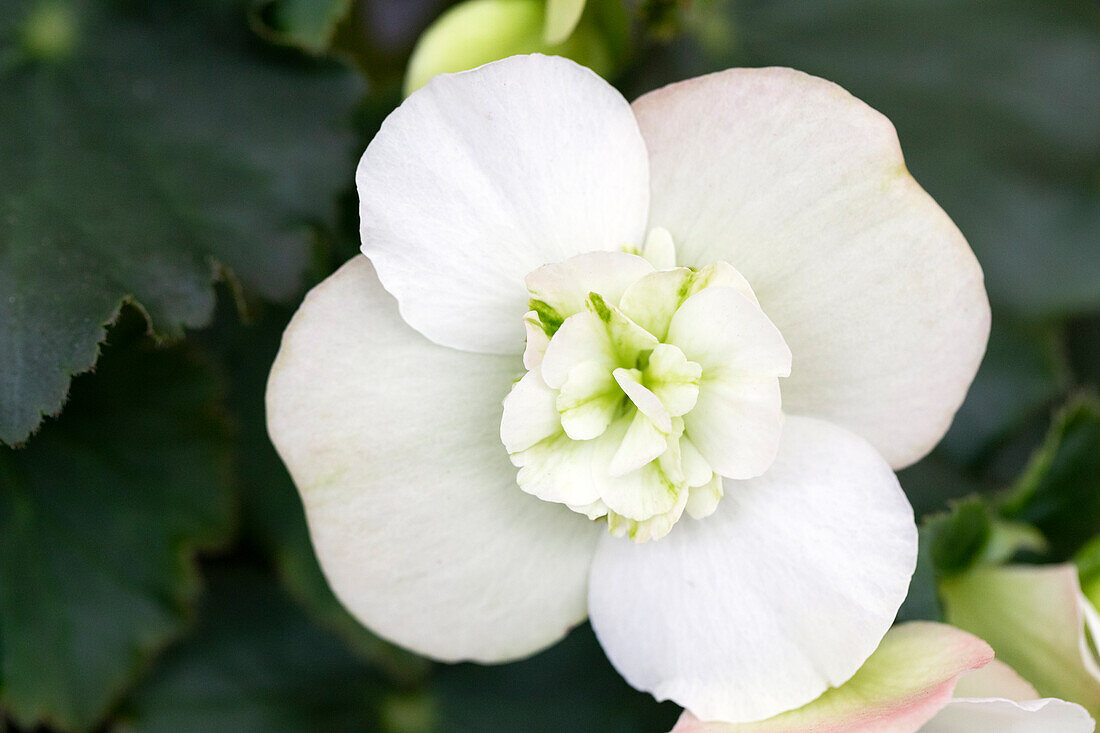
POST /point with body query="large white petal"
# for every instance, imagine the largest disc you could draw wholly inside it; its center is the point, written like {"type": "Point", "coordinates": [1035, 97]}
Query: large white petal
{"type": "Point", "coordinates": [783, 592]}
{"type": "Point", "coordinates": [412, 502]}
{"type": "Point", "coordinates": [485, 175]}
{"type": "Point", "coordinates": [803, 188]}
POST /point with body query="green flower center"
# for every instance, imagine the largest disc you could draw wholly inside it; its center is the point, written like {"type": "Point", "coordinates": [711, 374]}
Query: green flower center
{"type": "Point", "coordinates": [598, 421]}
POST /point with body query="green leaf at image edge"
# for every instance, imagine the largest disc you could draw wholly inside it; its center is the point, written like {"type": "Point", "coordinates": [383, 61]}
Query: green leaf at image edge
{"type": "Point", "coordinates": [1033, 618]}
{"type": "Point", "coordinates": [1087, 561]}
{"type": "Point", "coordinates": [1059, 492]}
{"type": "Point", "coordinates": [159, 147]}
{"type": "Point", "coordinates": [100, 517]}
{"type": "Point", "coordinates": [958, 538]}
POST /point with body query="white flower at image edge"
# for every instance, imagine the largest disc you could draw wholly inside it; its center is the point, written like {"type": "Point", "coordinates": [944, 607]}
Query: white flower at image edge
{"type": "Point", "coordinates": [923, 678]}
{"type": "Point", "coordinates": [651, 364]}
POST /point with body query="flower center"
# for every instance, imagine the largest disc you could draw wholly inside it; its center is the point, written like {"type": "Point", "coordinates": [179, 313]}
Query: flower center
{"type": "Point", "coordinates": [627, 365]}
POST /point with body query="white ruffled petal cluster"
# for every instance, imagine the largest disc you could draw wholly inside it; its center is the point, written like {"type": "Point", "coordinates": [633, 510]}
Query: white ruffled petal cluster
{"type": "Point", "coordinates": [612, 417]}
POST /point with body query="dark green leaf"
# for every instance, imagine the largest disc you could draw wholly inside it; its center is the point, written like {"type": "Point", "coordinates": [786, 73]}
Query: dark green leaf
{"type": "Point", "coordinates": [307, 24]}
{"type": "Point", "coordinates": [1059, 492]}
{"type": "Point", "coordinates": [569, 687]}
{"type": "Point", "coordinates": [255, 663]}
{"type": "Point", "coordinates": [100, 516]}
{"type": "Point", "coordinates": [953, 542]}
{"type": "Point", "coordinates": [1010, 456]}
{"type": "Point", "coordinates": [150, 146]}
{"type": "Point", "coordinates": [957, 540]}
{"type": "Point", "coordinates": [1022, 373]}
{"type": "Point", "coordinates": [934, 482]}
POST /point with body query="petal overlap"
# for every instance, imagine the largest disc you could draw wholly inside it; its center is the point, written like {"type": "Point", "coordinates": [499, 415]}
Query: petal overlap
{"type": "Point", "coordinates": [483, 176]}
{"type": "Point", "coordinates": [803, 189]}
{"type": "Point", "coordinates": [784, 591]}
{"type": "Point", "coordinates": [923, 678]}
{"type": "Point", "coordinates": [902, 686]}
{"type": "Point", "coordinates": [412, 502]}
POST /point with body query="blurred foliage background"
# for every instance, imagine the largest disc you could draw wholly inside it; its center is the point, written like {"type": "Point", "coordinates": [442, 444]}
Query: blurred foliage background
{"type": "Point", "coordinates": [175, 174]}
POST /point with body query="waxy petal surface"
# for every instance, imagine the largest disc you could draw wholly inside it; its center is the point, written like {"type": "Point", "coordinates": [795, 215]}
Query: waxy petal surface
{"type": "Point", "coordinates": [481, 177]}
{"type": "Point", "coordinates": [803, 189]}
{"type": "Point", "coordinates": [412, 502]}
{"type": "Point", "coordinates": [737, 418]}
{"type": "Point", "coordinates": [565, 285]}
{"type": "Point", "coordinates": [907, 686]}
{"type": "Point", "coordinates": [530, 414]}
{"type": "Point", "coordinates": [783, 592]}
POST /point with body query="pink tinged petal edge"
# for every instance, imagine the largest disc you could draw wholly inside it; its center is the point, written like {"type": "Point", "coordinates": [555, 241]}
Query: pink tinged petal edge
{"type": "Point", "coordinates": [996, 680]}
{"type": "Point", "coordinates": [803, 188]}
{"type": "Point", "coordinates": [884, 696]}
{"type": "Point", "coordinates": [995, 699]}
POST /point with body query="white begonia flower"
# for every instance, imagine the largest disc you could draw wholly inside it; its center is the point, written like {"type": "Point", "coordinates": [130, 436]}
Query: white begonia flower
{"type": "Point", "coordinates": [924, 677]}
{"type": "Point", "coordinates": [575, 308]}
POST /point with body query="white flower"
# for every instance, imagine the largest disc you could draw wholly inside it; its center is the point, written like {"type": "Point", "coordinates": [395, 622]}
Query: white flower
{"type": "Point", "coordinates": [501, 209]}
{"type": "Point", "coordinates": [924, 677]}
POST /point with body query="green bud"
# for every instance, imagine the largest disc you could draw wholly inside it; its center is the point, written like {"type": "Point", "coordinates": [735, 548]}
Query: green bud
{"type": "Point", "coordinates": [49, 32]}
{"type": "Point", "coordinates": [476, 32]}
